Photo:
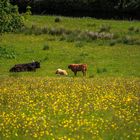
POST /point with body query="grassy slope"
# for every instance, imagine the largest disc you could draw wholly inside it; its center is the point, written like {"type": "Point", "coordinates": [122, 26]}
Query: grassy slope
{"type": "Point", "coordinates": [118, 60]}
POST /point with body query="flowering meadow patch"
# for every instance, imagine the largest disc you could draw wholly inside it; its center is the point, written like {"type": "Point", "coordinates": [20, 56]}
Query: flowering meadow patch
{"type": "Point", "coordinates": [69, 108]}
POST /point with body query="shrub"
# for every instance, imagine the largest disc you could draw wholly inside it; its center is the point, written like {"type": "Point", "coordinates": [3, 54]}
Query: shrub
{"type": "Point", "coordinates": [10, 20]}
{"type": "Point", "coordinates": [46, 47]}
{"type": "Point", "coordinates": [134, 29]}
{"type": "Point", "coordinates": [28, 10]}
{"type": "Point", "coordinates": [112, 42]}
{"type": "Point", "coordinates": [58, 19]}
{"type": "Point", "coordinates": [137, 30]}
{"type": "Point", "coordinates": [131, 28]}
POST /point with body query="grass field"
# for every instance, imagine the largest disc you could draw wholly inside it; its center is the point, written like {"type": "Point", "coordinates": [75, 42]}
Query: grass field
{"type": "Point", "coordinates": [40, 105]}
{"type": "Point", "coordinates": [119, 56]}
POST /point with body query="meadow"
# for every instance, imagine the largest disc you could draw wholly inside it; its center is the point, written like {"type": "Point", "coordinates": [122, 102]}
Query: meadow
{"type": "Point", "coordinates": [103, 105]}
{"type": "Point", "coordinates": [69, 108]}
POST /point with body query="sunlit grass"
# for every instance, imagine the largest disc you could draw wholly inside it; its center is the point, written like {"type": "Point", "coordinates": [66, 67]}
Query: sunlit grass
{"type": "Point", "coordinates": [69, 108]}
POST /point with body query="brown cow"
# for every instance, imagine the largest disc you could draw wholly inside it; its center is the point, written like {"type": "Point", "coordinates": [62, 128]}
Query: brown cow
{"type": "Point", "coordinates": [78, 67]}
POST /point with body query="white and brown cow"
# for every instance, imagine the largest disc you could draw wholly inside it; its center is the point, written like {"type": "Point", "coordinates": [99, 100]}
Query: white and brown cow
{"type": "Point", "coordinates": [78, 67]}
{"type": "Point", "coordinates": [61, 72]}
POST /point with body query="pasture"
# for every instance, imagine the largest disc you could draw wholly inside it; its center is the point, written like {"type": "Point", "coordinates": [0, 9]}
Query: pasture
{"type": "Point", "coordinates": [40, 105]}
{"type": "Point", "coordinates": [57, 45]}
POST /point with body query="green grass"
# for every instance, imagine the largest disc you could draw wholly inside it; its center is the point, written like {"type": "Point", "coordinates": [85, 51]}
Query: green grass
{"type": "Point", "coordinates": [118, 60]}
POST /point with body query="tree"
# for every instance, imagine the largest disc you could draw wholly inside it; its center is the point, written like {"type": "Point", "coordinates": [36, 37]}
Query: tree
{"type": "Point", "coordinates": [128, 5]}
{"type": "Point", "coordinates": [10, 19]}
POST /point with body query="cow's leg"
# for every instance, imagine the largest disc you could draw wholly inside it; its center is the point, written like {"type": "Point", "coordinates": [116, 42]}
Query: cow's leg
{"type": "Point", "coordinates": [75, 72]}
{"type": "Point", "coordinates": [84, 73]}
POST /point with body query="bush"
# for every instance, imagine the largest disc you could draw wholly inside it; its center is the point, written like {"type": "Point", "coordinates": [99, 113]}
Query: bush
{"type": "Point", "coordinates": [137, 30]}
{"type": "Point", "coordinates": [46, 47]}
{"type": "Point", "coordinates": [134, 29]}
{"type": "Point", "coordinates": [58, 19]}
{"type": "Point", "coordinates": [131, 28]}
{"type": "Point", "coordinates": [27, 14]}
{"type": "Point", "coordinates": [10, 20]}
{"type": "Point", "coordinates": [112, 42]}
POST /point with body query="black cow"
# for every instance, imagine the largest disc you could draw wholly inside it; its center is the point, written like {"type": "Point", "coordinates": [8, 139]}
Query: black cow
{"type": "Point", "coordinates": [25, 67]}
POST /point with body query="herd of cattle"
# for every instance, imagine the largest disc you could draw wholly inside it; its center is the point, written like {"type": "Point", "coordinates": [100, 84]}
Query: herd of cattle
{"type": "Point", "coordinates": [34, 65]}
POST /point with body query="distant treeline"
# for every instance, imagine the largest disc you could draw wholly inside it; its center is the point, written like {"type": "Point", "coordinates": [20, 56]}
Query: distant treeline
{"type": "Point", "coordinates": [118, 9]}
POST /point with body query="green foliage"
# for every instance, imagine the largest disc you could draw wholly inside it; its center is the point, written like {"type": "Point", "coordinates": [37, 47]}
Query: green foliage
{"type": "Point", "coordinates": [128, 4]}
{"type": "Point", "coordinates": [10, 20]}
{"type": "Point", "coordinates": [28, 10]}
{"type": "Point", "coordinates": [58, 19]}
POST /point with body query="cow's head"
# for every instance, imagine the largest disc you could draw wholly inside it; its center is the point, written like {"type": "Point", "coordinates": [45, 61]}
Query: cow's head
{"type": "Point", "coordinates": [56, 72]}
{"type": "Point", "coordinates": [69, 66]}
{"type": "Point", "coordinates": [37, 64]}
